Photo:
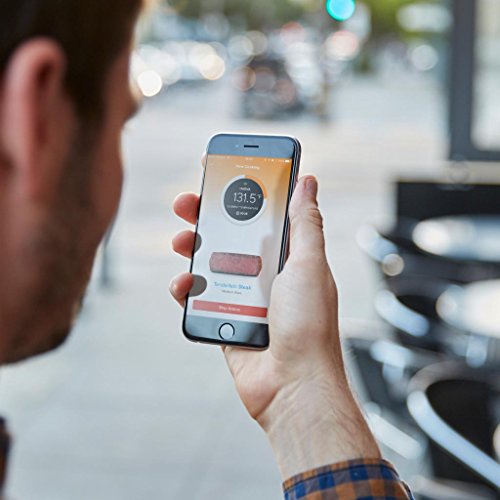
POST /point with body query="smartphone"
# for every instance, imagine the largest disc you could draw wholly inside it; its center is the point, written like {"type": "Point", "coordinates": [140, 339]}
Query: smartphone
{"type": "Point", "coordinates": [241, 239]}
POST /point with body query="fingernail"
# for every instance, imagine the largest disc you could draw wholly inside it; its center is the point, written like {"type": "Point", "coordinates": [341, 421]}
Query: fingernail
{"type": "Point", "coordinates": [173, 287]}
{"type": "Point", "coordinates": [312, 186]}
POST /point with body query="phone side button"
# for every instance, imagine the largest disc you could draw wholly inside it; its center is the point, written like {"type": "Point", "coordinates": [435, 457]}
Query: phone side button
{"type": "Point", "coordinates": [226, 331]}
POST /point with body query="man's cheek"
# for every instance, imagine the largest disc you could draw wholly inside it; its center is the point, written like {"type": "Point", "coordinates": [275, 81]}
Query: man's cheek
{"type": "Point", "coordinates": [108, 188]}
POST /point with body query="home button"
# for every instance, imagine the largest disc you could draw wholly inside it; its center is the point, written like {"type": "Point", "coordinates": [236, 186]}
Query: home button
{"type": "Point", "coordinates": [226, 331]}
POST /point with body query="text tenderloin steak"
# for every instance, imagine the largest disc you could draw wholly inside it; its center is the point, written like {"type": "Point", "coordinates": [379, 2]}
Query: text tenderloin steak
{"type": "Point", "coordinates": [235, 263]}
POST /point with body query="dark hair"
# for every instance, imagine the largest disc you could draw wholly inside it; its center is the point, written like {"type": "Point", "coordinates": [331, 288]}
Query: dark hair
{"type": "Point", "coordinates": [90, 32]}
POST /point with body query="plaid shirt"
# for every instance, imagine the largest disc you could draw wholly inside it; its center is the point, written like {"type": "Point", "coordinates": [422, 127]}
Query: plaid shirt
{"type": "Point", "coordinates": [367, 479]}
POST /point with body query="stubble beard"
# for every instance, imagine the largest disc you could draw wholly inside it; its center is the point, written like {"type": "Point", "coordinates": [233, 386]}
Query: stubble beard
{"type": "Point", "coordinates": [63, 251]}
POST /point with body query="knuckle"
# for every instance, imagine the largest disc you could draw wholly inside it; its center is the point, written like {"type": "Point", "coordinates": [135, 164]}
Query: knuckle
{"type": "Point", "coordinates": [315, 217]}
{"type": "Point", "coordinates": [310, 215]}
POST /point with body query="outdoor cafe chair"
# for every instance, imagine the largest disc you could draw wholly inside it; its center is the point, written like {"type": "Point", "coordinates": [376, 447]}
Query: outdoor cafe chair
{"type": "Point", "coordinates": [394, 254]}
{"type": "Point", "coordinates": [408, 305]}
{"type": "Point", "coordinates": [457, 408]}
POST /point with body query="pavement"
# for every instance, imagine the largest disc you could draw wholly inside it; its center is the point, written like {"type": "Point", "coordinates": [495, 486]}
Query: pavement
{"type": "Point", "coordinates": [128, 409]}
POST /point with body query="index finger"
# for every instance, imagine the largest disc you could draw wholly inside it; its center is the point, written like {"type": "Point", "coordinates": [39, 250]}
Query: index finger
{"type": "Point", "coordinates": [186, 204]}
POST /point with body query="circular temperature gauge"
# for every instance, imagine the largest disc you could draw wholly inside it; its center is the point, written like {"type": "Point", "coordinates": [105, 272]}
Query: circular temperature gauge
{"type": "Point", "coordinates": [243, 199]}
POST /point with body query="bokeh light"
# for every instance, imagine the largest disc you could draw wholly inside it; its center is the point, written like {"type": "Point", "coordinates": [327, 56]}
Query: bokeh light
{"type": "Point", "coordinates": [342, 45]}
{"type": "Point", "coordinates": [149, 83]}
{"type": "Point", "coordinates": [212, 67]}
{"type": "Point", "coordinates": [340, 10]}
{"type": "Point", "coordinates": [424, 57]}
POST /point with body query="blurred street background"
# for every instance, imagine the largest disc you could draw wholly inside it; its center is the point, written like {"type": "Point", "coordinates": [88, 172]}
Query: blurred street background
{"type": "Point", "coordinates": [129, 409]}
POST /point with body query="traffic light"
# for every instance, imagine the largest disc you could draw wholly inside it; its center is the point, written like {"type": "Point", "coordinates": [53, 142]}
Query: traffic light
{"type": "Point", "coordinates": [340, 10]}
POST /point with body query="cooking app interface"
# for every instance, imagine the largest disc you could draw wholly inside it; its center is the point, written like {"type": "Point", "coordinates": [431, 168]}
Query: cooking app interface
{"type": "Point", "coordinates": [239, 236]}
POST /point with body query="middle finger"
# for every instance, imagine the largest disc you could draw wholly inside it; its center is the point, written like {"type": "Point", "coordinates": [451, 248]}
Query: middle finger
{"type": "Point", "coordinates": [183, 243]}
{"type": "Point", "coordinates": [186, 206]}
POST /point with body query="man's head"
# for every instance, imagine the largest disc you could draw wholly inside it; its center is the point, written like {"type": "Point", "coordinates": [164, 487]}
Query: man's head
{"type": "Point", "coordinates": [64, 97]}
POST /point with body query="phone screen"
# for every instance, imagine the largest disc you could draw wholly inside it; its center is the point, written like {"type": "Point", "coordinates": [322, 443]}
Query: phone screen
{"type": "Point", "coordinates": [239, 236]}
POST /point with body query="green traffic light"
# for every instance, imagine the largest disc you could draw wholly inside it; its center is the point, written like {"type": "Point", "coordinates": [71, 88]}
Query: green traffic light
{"type": "Point", "coordinates": [340, 10]}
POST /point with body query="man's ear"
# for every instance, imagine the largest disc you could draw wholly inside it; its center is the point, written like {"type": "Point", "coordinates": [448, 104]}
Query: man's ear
{"type": "Point", "coordinates": [36, 118]}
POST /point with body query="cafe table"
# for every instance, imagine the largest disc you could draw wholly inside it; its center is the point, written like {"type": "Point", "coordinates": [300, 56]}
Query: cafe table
{"type": "Point", "coordinates": [475, 309]}
{"type": "Point", "coordinates": [468, 238]}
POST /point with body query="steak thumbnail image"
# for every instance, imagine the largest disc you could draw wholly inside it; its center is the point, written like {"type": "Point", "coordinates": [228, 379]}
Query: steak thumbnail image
{"type": "Point", "coordinates": [235, 263]}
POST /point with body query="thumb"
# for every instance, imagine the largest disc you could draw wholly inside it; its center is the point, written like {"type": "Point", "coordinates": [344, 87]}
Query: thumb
{"type": "Point", "coordinates": [306, 222]}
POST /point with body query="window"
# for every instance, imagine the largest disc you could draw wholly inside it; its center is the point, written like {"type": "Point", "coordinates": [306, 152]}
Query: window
{"type": "Point", "coordinates": [475, 81]}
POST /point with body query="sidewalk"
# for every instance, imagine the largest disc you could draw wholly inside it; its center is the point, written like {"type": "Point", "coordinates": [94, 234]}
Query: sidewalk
{"type": "Point", "coordinates": [128, 409]}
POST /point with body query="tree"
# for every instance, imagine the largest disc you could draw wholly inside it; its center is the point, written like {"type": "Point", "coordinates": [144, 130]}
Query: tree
{"type": "Point", "coordinates": [257, 14]}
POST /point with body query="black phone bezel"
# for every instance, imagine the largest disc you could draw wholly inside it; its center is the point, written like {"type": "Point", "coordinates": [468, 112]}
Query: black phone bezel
{"type": "Point", "coordinates": [250, 335]}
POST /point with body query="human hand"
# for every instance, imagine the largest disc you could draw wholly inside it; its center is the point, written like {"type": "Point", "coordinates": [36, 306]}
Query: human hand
{"type": "Point", "coordinates": [297, 390]}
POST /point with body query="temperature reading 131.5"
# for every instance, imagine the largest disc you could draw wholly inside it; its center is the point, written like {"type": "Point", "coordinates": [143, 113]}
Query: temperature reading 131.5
{"type": "Point", "coordinates": [246, 197]}
{"type": "Point", "coordinates": [243, 199]}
